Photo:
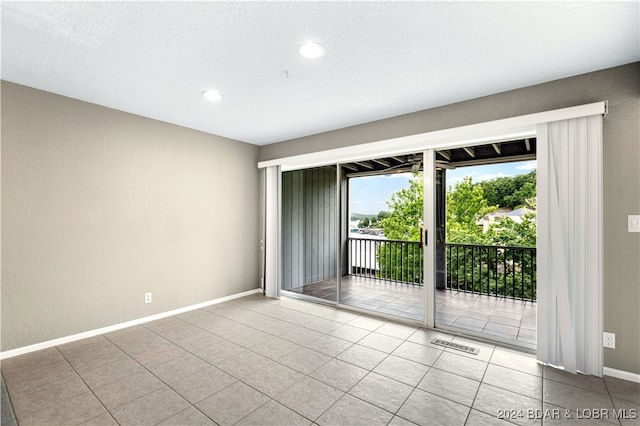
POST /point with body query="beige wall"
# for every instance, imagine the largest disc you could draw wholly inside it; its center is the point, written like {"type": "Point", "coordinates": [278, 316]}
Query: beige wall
{"type": "Point", "coordinates": [101, 206]}
{"type": "Point", "coordinates": [621, 87]}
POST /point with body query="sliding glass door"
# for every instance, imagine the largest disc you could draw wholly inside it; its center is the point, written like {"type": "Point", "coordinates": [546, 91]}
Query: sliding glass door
{"type": "Point", "coordinates": [309, 224]}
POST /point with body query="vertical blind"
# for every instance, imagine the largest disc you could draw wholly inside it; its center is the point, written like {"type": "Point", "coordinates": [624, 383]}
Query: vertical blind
{"type": "Point", "coordinates": [570, 277]}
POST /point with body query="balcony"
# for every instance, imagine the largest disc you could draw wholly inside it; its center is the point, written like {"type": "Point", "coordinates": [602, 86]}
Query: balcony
{"type": "Point", "coordinates": [484, 289]}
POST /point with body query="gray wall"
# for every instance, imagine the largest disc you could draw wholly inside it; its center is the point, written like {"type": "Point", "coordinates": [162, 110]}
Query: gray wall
{"type": "Point", "coordinates": [621, 87]}
{"type": "Point", "coordinates": [308, 226]}
{"type": "Point", "coordinates": [101, 206]}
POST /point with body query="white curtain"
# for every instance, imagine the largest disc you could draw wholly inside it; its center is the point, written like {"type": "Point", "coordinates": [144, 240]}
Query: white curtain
{"type": "Point", "coordinates": [272, 231]}
{"type": "Point", "coordinates": [570, 277]}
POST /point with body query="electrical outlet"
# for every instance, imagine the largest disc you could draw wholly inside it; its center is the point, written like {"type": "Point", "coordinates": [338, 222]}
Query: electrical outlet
{"type": "Point", "coordinates": [609, 340]}
{"type": "Point", "coordinates": [633, 223]}
{"type": "Point", "coordinates": [147, 297]}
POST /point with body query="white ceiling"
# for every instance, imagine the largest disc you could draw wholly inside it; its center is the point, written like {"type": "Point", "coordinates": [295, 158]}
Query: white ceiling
{"type": "Point", "coordinates": [382, 58]}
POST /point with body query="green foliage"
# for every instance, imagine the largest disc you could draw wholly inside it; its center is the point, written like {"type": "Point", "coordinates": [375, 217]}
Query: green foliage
{"type": "Point", "coordinates": [466, 205]}
{"type": "Point", "coordinates": [406, 211]}
{"type": "Point", "coordinates": [506, 232]}
{"type": "Point", "coordinates": [364, 223]}
{"type": "Point", "coordinates": [509, 272]}
{"type": "Point", "coordinates": [400, 261]}
{"type": "Point", "coordinates": [372, 221]}
{"type": "Point", "coordinates": [511, 192]}
{"type": "Point", "coordinates": [403, 261]}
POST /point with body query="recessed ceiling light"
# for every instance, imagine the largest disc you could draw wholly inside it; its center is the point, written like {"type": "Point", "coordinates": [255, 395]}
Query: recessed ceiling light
{"type": "Point", "coordinates": [212, 95]}
{"type": "Point", "coordinates": [311, 50]}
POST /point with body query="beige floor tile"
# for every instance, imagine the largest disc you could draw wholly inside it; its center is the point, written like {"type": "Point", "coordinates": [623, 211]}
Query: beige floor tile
{"type": "Point", "coordinates": [574, 398]}
{"type": "Point", "coordinates": [399, 421]}
{"type": "Point", "coordinates": [362, 357]}
{"type": "Point", "coordinates": [329, 345]}
{"type": "Point", "coordinates": [426, 355]}
{"type": "Point", "coordinates": [22, 379]}
{"type": "Point", "coordinates": [111, 372]}
{"type": "Point", "coordinates": [353, 411]}
{"type": "Point", "coordinates": [189, 417]}
{"type": "Point", "coordinates": [52, 393]}
{"type": "Point", "coordinates": [151, 408]}
{"type": "Point", "coordinates": [555, 415]}
{"type": "Point", "coordinates": [301, 335]}
{"type": "Point", "coordinates": [104, 419]}
{"type": "Point", "coordinates": [275, 347]}
{"type": "Point", "coordinates": [349, 333]}
{"type": "Point", "coordinates": [203, 383]}
{"type": "Point", "coordinates": [76, 410]}
{"type": "Point", "coordinates": [273, 379]}
{"type": "Point", "coordinates": [460, 365]}
{"type": "Point", "coordinates": [231, 404]}
{"type": "Point", "coordinates": [514, 381]}
{"type": "Point", "coordinates": [478, 418]}
{"type": "Point", "coordinates": [623, 389]}
{"type": "Point", "coordinates": [32, 360]}
{"type": "Point", "coordinates": [218, 351]}
{"type": "Point", "coordinates": [159, 354]}
{"type": "Point", "coordinates": [492, 401]}
{"type": "Point", "coordinates": [176, 369]}
{"type": "Point", "coordinates": [485, 350]}
{"type": "Point", "coordinates": [397, 330]}
{"type": "Point", "coordinates": [402, 370]}
{"type": "Point", "coordinates": [243, 363]}
{"type": "Point", "coordinates": [305, 360]}
{"type": "Point", "coordinates": [125, 390]}
{"type": "Point", "coordinates": [382, 392]}
{"type": "Point", "coordinates": [592, 383]}
{"type": "Point", "coordinates": [627, 412]}
{"type": "Point", "coordinates": [423, 408]}
{"type": "Point", "coordinates": [450, 386]}
{"type": "Point", "coordinates": [309, 398]}
{"type": "Point", "coordinates": [367, 323]}
{"type": "Point", "coordinates": [45, 389]}
{"type": "Point", "coordinates": [274, 414]}
{"type": "Point", "coordinates": [339, 374]}
{"type": "Point", "coordinates": [380, 342]}
{"type": "Point", "coordinates": [516, 361]}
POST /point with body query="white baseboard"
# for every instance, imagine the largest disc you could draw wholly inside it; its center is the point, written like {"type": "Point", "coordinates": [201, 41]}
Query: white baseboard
{"type": "Point", "coordinates": [619, 374]}
{"type": "Point", "coordinates": [62, 340]}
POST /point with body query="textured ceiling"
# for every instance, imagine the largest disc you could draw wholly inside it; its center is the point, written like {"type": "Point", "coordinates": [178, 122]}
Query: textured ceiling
{"type": "Point", "coordinates": [382, 58]}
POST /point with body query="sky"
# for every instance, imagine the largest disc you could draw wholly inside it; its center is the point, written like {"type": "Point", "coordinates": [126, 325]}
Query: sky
{"type": "Point", "coordinates": [369, 195]}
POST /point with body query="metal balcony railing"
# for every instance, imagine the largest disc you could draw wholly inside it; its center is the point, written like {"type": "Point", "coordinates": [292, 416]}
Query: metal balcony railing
{"type": "Point", "coordinates": [389, 260]}
{"type": "Point", "coordinates": [502, 271]}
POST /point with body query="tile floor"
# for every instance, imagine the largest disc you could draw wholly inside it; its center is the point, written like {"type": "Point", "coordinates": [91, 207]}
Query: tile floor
{"type": "Point", "coordinates": [495, 316]}
{"type": "Point", "coordinates": [258, 361]}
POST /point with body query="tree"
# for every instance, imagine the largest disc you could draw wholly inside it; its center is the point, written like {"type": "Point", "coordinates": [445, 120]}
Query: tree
{"type": "Point", "coordinates": [507, 232]}
{"type": "Point", "coordinates": [466, 205]}
{"type": "Point", "coordinates": [364, 222]}
{"type": "Point", "coordinates": [511, 191]}
{"type": "Point", "coordinates": [404, 220]}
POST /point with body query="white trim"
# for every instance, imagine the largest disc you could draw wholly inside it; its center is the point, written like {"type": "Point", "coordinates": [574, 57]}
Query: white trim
{"type": "Point", "coordinates": [273, 232]}
{"type": "Point", "coordinates": [429, 247]}
{"type": "Point", "coordinates": [620, 374]}
{"type": "Point", "coordinates": [473, 134]}
{"type": "Point", "coordinates": [55, 342]}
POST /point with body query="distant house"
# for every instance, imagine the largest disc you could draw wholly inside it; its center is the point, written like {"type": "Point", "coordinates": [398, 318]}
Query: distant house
{"type": "Point", "coordinates": [515, 215]}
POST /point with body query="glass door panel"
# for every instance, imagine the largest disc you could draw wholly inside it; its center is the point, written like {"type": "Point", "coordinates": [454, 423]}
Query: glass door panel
{"type": "Point", "coordinates": [309, 220]}
{"type": "Point", "coordinates": [382, 247]}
